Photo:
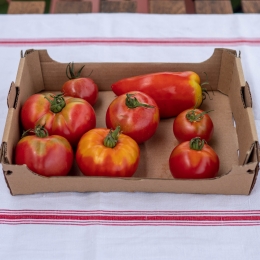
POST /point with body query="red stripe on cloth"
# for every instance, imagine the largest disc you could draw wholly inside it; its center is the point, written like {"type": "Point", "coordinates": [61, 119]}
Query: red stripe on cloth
{"type": "Point", "coordinates": [131, 218]}
{"type": "Point", "coordinates": [131, 41]}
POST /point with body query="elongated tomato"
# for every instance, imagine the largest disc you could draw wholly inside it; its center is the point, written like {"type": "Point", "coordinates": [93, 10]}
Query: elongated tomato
{"type": "Point", "coordinates": [173, 92]}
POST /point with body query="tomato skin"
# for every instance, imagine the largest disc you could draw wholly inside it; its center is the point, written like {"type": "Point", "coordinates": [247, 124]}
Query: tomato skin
{"type": "Point", "coordinates": [48, 156]}
{"type": "Point", "coordinates": [184, 130]}
{"type": "Point", "coordinates": [77, 117]}
{"type": "Point", "coordinates": [186, 163]}
{"type": "Point", "coordinates": [84, 88]}
{"type": "Point", "coordinates": [95, 159]}
{"type": "Point", "coordinates": [140, 123]}
{"type": "Point", "coordinates": [173, 92]}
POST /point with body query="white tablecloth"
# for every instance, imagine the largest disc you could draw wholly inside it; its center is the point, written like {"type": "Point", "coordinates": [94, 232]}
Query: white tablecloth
{"type": "Point", "coordinates": [98, 225]}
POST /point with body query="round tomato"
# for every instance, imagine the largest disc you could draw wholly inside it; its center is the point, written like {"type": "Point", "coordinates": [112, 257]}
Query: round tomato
{"type": "Point", "coordinates": [43, 154]}
{"type": "Point", "coordinates": [66, 116]}
{"type": "Point", "coordinates": [193, 123]}
{"type": "Point", "coordinates": [136, 113]}
{"type": "Point", "coordinates": [103, 152]}
{"type": "Point", "coordinates": [80, 87]}
{"type": "Point", "coordinates": [194, 159]}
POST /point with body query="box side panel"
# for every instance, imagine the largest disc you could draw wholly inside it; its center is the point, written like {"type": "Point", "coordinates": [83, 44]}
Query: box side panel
{"type": "Point", "coordinates": [232, 183]}
{"type": "Point", "coordinates": [28, 81]}
{"type": "Point", "coordinates": [105, 74]}
{"type": "Point", "coordinates": [226, 71]}
{"type": "Point", "coordinates": [243, 116]}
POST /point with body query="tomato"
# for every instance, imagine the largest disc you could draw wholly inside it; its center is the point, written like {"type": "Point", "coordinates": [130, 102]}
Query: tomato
{"type": "Point", "coordinates": [194, 160]}
{"type": "Point", "coordinates": [136, 113]}
{"type": "Point", "coordinates": [103, 152]}
{"type": "Point", "coordinates": [193, 123]}
{"type": "Point", "coordinates": [80, 87]}
{"type": "Point", "coordinates": [43, 154]}
{"type": "Point", "coordinates": [173, 92]}
{"type": "Point", "coordinates": [66, 116]}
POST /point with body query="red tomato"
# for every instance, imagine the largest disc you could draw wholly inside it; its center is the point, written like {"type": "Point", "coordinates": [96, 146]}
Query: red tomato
{"type": "Point", "coordinates": [103, 152]}
{"type": "Point", "coordinates": [45, 155]}
{"type": "Point", "coordinates": [193, 123]}
{"type": "Point", "coordinates": [80, 87]}
{"type": "Point", "coordinates": [65, 116]}
{"type": "Point", "coordinates": [136, 113]}
{"type": "Point", "coordinates": [193, 160]}
{"type": "Point", "coordinates": [172, 91]}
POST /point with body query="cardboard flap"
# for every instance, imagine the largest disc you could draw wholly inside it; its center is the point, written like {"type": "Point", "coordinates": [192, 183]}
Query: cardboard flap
{"type": "Point", "coordinates": [27, 52]}
{"type": "Point", "coordinates": [252, 154]}
{"type": "Point", "coordinates": [246, 96]}
{"type": "Point", "coordinates": [12, 96]}
{"type": "Point", "coordinates": [4, 158]}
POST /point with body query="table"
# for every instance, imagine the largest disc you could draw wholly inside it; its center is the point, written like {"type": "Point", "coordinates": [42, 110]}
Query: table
{"type": "Point", "coordinates": [114, 225]}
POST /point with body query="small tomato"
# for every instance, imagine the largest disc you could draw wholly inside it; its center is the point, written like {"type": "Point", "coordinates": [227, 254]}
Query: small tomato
{"type": "Point", "coordinates": [43, 154]}
{"type": "Point", "coordinates": [136, 113]}
{"type": "Point", "coordinates": [103, 152]}
{"type": "Point", "coordinates": [193, 123]}
{"type": "Point", "coordinates": [194, 159]}
{"type": "Point", "coordinates": [80, 87]}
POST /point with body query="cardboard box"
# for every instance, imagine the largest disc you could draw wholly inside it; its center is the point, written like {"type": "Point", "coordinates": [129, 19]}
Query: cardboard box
{"type": "Point", "coordinates": [235, 137]}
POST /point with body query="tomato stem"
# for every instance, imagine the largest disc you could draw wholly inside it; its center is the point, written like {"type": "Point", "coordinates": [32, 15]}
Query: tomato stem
{"type": "Point", "coordinates": [39, 131]}
{"type": "Point", "coordinates": [193, 117]}
{"type": "Point", "coordinates": [111, 139]}
{"type": "Point", "coordinates": [70, 71]}
{"type": "Point", "coordinates": [57, 104]}
{"type": "Point", "coordinates": [132, 102]}
{"type": "Point", "coordinates": [197, 143]}
{"type": "Point", "coordinates": [204, 90]}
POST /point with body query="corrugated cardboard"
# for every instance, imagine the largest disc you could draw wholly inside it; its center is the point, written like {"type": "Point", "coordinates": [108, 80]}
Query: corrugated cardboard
{"type": "Point", "coordinates": [235, 138]}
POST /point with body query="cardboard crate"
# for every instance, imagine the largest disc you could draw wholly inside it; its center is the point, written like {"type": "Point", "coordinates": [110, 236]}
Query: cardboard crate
{"type": "Point", "coordinates": [235, 137]}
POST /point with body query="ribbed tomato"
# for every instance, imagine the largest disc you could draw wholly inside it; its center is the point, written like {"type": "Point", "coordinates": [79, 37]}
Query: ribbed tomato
{"type": "Point", "coordinates": [66, 116]}
{"type": "Point", "coordinates": [43, 154]}
{"type": "Point", "coordinates": [103, 152]}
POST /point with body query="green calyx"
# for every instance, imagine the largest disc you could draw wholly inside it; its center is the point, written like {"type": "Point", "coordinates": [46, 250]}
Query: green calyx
{"type": "Point", "coordinates": [39, 131]}
{"type": "Point", "coordinates": [57, 103]}
{"type": "Point", "coordinates": [205, 92]}
{"type": "Point", "coordinates": [111, 139]}
{"type": "Point", "coordinates": [132, 102]}
{"type": "Point", "coordinates": [193, 117]}
{"type": "Point", "coordinates": [70, 71]}
{"type": "Point", "coordinates": [197, 143]}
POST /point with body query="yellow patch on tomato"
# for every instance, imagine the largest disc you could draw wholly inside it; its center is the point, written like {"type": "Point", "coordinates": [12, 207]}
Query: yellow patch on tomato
{"type": "Point", "coordinates": [197, 93]}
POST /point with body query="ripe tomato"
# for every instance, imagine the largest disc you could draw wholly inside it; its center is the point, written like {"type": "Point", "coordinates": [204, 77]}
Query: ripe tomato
{"type": "Point", "coordinates": [193, 123]}
{"type": "Point", "coordinates": [136, 113]}
{"type": "Point", "coordinates": [80, 87]}
{"type": "Point", "coordinates": [43, 154]}
{"type": "Point", "coordinates": [103, 152]}
{"type": "Point", "coordinates": [173, 92]}
{"type": "Point", "coordinates": [65, 116]}
{"type": "Point", "coordinates": [193, 160]}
